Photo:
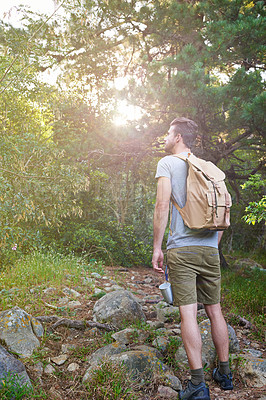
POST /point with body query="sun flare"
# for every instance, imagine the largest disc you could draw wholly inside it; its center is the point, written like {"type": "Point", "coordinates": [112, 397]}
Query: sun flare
{"type": "Point", "coordinates": [126, 112]}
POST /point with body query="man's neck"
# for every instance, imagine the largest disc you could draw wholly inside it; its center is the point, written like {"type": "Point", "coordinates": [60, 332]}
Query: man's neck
{"type": "Point", "coordinates": [180, 148]}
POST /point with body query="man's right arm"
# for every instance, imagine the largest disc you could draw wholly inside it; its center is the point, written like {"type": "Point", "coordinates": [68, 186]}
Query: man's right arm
{"type": "Point", "coordinates": [160, 220]}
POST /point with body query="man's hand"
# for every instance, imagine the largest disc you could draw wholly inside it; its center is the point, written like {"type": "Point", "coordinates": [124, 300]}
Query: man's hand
{"type": "Point", "coordinates": [157, 261]}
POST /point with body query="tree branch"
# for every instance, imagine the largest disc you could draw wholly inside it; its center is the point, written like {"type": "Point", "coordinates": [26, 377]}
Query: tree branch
{"type": "Point", "coordinates": [26, 176]}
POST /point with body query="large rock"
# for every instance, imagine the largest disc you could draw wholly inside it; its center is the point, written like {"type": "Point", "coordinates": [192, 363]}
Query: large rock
{"type": "Point", "coordinates": [105, 352]}
{"type": "Point", "coordinates": [142, 363]}
{"type": "Point", "coordinates": [118, 308]}
{"type": "Point", "coordinates": [208, 349]}
{"type": "Point", "coordinates": [166, 312]}
{"type": "Point", "coordinates": [12, 368]}
{"type": "Point", "coordinates": [19, 331]}
{"type": "Point", "coordinates": [150, 350]}
{"type": "Point", "coordinates": [130, 335]}
{"type": "Point", "coordinates": [101, 355]}
{"type": "Point", "coordinates": [252, 370]}
{"type": "Point", "coordinates": [246, 263]}
{"type": "Point", "coordinates": [233, 341]}
{"type": "Point", "coordinates": [166, 392]}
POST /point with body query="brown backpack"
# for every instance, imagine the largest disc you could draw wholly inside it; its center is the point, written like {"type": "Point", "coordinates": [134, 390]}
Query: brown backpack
{"type": "Point", "coordinates": [208, 201]}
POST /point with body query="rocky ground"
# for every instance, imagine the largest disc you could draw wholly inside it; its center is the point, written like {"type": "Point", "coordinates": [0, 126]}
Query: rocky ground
{"type": "Point", "coordinates": [65, 381]}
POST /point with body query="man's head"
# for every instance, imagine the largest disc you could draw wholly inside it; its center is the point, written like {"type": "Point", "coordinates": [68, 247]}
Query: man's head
{"type": "Point", "coordinates": [187, 128]}
{"type": "Point", "coordinates": [181, 135]}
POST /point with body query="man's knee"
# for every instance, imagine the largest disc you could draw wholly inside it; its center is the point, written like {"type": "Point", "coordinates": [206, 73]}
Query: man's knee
{"type": "Point", "coordinates": [213, 310]}
{"type": "Point", "coordinates": [188, 311]}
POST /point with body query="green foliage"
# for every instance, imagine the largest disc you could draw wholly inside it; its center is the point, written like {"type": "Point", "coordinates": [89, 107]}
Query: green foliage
{"type": "Point", "coordinates": [256, 210]}
{"type": "Point", "coordinates": [110, 243]}
{"type": "Point", "coordinates": [173, 345]}
{"type": "Point", "coordinates": [37, 186]}
{"type": "Point", "coordinates": [255, 183]}
{"type": "Point", "coordinates": [68, 177]}
{"type": "Point", "coordinates": [244, 294]}
{"type": "Point", "coordinates": [111, 382]}
{"type": "Point", "coordinates": [12, 387]}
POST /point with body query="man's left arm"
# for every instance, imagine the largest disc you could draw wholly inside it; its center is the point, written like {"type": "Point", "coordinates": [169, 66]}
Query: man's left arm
{"type": "Point", "coordinates": [160, 220]}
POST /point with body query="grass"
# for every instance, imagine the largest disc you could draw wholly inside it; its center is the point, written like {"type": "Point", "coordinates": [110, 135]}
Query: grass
{"type": "Point", "coordinates": [12, 388]}
{"type": "Point", "coordinates": [42, 268]}
{"type": "Point", "coordinates": [173, 345]}
{"type": "Point", "coordinates": [243, 294]}
{"type": "Point", "coordinates": [23, 283]}
{"type": "Point", "coordinates": [112, 382]}
{"type": "Point", "coordinates": [258, 255]}
{"type": "Point", "coordinates": [84, 352]}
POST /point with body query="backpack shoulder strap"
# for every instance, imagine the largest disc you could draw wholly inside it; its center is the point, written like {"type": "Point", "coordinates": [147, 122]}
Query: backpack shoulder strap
{"type": "Point", "coordinates": [181, 156]}
{"type": "Point", "coordinates": [210, 170]}
{"type": "Point", "coordinates": [184, 158]}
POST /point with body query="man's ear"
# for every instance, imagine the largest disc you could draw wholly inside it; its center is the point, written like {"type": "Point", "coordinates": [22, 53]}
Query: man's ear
{"type": "Point", "coordinates": [178, 137]}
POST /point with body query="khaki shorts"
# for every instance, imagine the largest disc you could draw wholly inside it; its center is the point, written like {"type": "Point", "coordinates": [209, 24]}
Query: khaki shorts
{"type": "Point", "coordinates": [194, 273]}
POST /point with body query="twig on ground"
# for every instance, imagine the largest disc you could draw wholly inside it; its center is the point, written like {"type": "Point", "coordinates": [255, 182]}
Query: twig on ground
{"type": "Point", "coordinates": [76, 324]}
{"type": "Point", "coordinates": [242, 321]}
{"type": "Point", "coordinates": [50, 305]}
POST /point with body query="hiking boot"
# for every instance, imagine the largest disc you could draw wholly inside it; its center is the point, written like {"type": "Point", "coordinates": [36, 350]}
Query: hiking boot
{"type": "Point", "coordinates": [225, 381]}
{"type": "Point", "coordinates": [194, 392]}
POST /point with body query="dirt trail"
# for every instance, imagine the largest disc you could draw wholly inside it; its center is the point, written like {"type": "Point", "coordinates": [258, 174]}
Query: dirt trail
{"type": "Point", "coordinates": [142, 282]}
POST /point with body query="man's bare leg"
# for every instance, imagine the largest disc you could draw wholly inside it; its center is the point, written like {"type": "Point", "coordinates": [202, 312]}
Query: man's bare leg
{"type": "Point", "coordinates": [191, 335]}
{"type": "Point", "coordinates": [219, 331]}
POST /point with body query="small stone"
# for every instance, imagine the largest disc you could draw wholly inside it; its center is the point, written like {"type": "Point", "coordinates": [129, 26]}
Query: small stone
{"type": "Point", "coordinates": [55, 394]}
{"type": "Point", "coordinates": [38, 368]}
{"type": "Point", "coordinates": [161, 343]}
{"type": "Point", "coordinates": [49, 290]}
{"type": "Point", "coordinates": [73, 367]}
{"type": "Point", "coordinates": [173, 382]}
{"type": "Point", "coordinates": [87, 281]}
{"type": "Point", "coordinates": [66, 348]}
{"type": "Point", "coordinates": [255, 345]}
{"type": "Point", "coordinates": [98, 291]}
{"type": "Point", "coordinates": [60, 360]}
{"type": "Point", "coordinates": [176, 331]}
{"type": "Point", "coordinates": [155, 324]}
{"type": "Point", "coordinates": [148, 280]}
{"type": "Point", "coordinates": [254, 353]}
{"type": "Point", "coordinates": [117, 287]}
{"type": "Point", "coordinates": [37, 327]}
{"type": "Point", "coordinates": [63, 301]}
{"type": "Point", "coordinates": [96, 275]}
{"type": "Point", "coordinates": [71, 292]}
{"type": "Point", "coordinates": [74, 304]}
{"type": "Point", "coordinates": [49, 369]}
{"type": "Point", "coordinates": [94, 331]}
{"type": "Point", "coordinates": [167, 392]}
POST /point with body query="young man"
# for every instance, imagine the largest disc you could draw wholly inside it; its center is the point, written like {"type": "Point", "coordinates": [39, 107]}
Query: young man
{"type": "Point", "coordinates": [193, 262]}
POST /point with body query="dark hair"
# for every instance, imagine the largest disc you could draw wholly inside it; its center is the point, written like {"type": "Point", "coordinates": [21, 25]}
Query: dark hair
{"type": "Point", "coordinates": [187, 128]}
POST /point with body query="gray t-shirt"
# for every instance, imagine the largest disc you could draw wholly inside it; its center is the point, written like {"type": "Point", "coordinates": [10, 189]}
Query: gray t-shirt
{"type": "Point", "coordinates": [176, 170]}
